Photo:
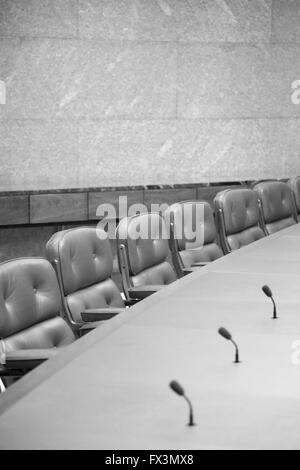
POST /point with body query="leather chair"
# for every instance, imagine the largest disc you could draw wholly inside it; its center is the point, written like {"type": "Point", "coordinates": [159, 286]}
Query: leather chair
{"type": "Point", "coordinates": [83, 263]}
{"type": "Point", "coordinates": [145, 262]}
{"type": "Point", "coordinates": [31, 326]}
{"type": "Point", "coordinates": [276, 205]}
{"type": "Point", "coordinates": [294, 184]}
{"type": "Point", "coordinates": [186, 218]}
{"type": "Point", "coordinates": [238, 217]}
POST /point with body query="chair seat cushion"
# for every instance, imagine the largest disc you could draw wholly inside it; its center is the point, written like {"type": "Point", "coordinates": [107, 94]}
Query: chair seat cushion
{"type": "Point", "coordinates": [209, 252]}
{"type": "Point", "coordinates": [52, 333]}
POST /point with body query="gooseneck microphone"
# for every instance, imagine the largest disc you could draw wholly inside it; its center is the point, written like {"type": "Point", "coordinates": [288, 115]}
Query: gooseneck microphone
{"type": "Point", "coordinates": [225, 334]}
{"type": "Point", "coordinates": [178, 389]}
{"type": "Point", "coordinates": [267, 291]}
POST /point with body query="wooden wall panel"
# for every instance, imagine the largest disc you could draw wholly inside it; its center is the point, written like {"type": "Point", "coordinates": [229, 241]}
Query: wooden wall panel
{"type": "Point", "coordinates": [60, 207]}
{"type": "Point", "coordinates": [20, 242]}
{"type": "Point", "coordinates": [14, 210]}
{"type": "Point", "coordinates": [168, 196]}
{"type": "Point", "coordinates": [112, 197]}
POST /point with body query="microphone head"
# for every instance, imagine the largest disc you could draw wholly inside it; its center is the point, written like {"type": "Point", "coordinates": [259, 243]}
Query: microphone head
{"type": "Point", "coordinates": [267, 291]}
{"type": "Point", "coordinates": [223, 332]}
{"type": "Point", "coordinates": [177, 388]}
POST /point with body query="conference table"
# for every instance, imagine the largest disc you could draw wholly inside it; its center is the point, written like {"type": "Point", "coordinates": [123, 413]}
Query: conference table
{"type": "Point", "coordinates": [110, 389]}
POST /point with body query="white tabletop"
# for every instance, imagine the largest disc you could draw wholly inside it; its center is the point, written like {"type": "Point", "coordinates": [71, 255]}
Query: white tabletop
{"type": "Point", "coordinates": [110, 389]}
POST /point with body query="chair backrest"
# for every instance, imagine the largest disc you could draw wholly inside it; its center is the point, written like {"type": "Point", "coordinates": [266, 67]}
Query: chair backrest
{"type": "Point", "coordinates": [148, 257]}
{"type": "Point", "coordinates": [83, 260]}
{"type": "Point", "coordinates": [30, 307]}
{"type": "Point", "coordinates": [294, 184]}
{"type": "Point", "coordinates": [193, 230]}
{"type": "Point", "coordinates": [238, 218]}
{"type": "Point", "coordinates": [276, 204]}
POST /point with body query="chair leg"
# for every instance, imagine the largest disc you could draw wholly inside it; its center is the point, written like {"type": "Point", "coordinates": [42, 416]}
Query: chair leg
{"type": "Point", "coordinates": [2, 387]}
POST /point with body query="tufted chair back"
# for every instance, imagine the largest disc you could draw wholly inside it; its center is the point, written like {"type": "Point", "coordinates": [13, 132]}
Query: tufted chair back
{"type": "Point", "coordinates": [238, 218]}
{"type": "Point", "coordinates": [30, 307]}
{"type": "Point", "coordinates": [84, 265]}
{"type": "Point", "coordinates": [148, 257]}
{"type": "Point", "coordinates": [294, 184]}
{"type": "Point", "coordinates": [276, 204]}
{"type": "Point", "coordinates": [189, 218]}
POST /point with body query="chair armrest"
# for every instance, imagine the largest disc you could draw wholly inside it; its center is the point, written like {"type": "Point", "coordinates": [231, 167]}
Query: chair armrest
{"type": "Point", "coordinates": [4, 372]}
{"type": "Point", "coordinates": [27, 359]}
{"type": "Point", "coordinates": [131, 302]}
{"type": "Point", "coordinates": [100, 314]}
{"type": "Point", "coordinates": [187, 271]}
{"type": "Point", "coordinates": [88, 327]}
{"type": "Point", "coordinates": [142, 292]}
{"type": "Point", "coordinates": [194, 267]}
{"type": "Point", "coordinates": [200, 263]}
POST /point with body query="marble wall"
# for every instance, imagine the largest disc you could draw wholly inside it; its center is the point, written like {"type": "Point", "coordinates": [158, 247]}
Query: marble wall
{"type": "Point", "coordinates": [136, 92]}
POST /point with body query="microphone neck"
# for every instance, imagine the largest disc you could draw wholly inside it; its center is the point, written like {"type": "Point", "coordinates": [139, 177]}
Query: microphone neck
{"type": "Point", "coordinates": [191, 415]}
{"type": "Point", "coordinates": [275, 309]}
{"type": "Point", "coordinates": [237, 358]}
